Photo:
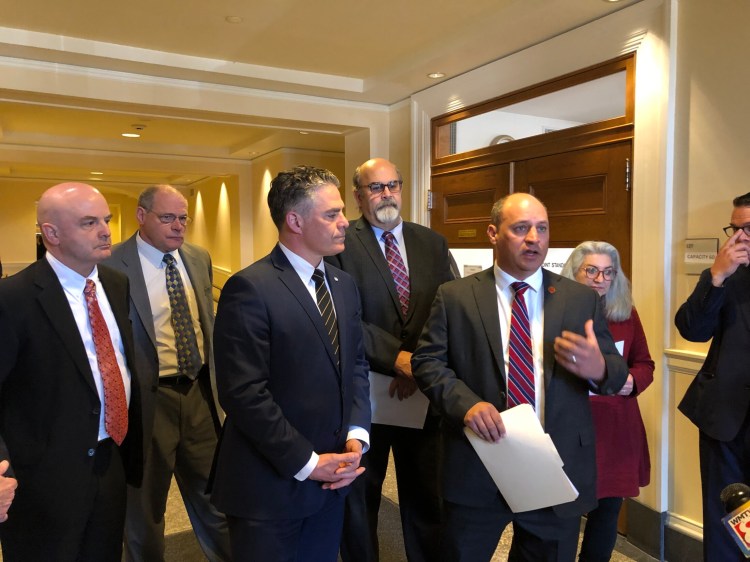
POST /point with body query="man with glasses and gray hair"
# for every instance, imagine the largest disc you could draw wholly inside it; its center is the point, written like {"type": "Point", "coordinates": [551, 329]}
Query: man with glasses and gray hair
{"type": "Point", "coordinates": [718, 400]}
{"type": "Point", "coordinates": [398, 267]}
{"type": "Point", "coordinates": [171, 309]}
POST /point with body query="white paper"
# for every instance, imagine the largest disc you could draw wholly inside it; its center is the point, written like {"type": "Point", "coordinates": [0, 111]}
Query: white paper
{"type": "Point", "coordinates": [410, 412]}
{"type": "Point", "coordinates": [524, 464]}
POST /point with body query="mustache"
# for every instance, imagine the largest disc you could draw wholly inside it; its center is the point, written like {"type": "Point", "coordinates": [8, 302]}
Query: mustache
{"type": "Point", "coordinates": [385, 204]}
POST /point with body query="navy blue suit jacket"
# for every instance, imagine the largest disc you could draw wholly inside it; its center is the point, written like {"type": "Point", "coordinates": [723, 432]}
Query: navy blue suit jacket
{"type": "Point", "coordinates": [281, 388]}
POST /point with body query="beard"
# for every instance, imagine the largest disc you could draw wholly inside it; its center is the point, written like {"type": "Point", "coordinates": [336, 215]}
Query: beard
{"type": "Point", "coordinates": [387, 212]}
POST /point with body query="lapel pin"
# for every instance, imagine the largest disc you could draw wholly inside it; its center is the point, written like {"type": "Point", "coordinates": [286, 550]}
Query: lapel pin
{"type": "Point", "coordinates": [335, 278]}
{"type": "Point", "coordinates": [551, 290]}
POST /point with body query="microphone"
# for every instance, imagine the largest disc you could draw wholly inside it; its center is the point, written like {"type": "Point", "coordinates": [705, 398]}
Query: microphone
{"type": "Point", "coordinates": [736, 500]}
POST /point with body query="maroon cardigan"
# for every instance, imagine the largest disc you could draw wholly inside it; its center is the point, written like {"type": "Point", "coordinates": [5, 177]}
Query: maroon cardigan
{"type": "Point", "coordinates": [622, 460]}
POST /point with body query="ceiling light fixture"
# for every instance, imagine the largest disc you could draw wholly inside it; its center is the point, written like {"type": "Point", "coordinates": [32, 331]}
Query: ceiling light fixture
{"type": "Point", "coordinates": [436, 75]}
{"type": "Point", "coordinates": [96, 173]}
{"type": "Point", "coordinates": [304, 133]}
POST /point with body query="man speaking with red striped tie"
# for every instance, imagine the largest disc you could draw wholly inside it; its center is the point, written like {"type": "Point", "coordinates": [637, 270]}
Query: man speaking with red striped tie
{"type": "Point", "coordinates": [515, 334]}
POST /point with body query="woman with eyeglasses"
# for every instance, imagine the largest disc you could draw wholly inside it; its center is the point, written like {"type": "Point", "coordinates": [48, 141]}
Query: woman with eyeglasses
{"type": "Point", "coordinates": [622, 459]}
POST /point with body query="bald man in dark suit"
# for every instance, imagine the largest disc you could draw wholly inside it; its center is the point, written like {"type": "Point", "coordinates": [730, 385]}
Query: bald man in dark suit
{"type": "Point", "coordinates": [463, 365]}
{"type": "Point", "coordinates": [69, 401]}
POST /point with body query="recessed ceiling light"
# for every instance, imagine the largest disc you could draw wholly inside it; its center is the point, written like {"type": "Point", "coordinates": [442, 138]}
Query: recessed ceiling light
{"type": "Point", "coordinates": [131, 135]}
{"type": "Point", "coordinates": [96, 173]}
{"type": "Point", "coordinates": [436, 75]}
{"type": "Point", "coordinates": [234, 19]}
{"type": "Point", "coordinates": [304, 133]}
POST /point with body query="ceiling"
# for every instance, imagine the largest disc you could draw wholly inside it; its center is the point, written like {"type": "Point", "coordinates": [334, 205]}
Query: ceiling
{"type": "Point", "coordinates": [373, 51]}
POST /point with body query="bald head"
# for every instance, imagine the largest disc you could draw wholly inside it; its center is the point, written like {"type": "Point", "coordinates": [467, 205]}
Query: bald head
{"type": "Point", "coordinates": [520, 234]}
{"type": "Point", "coordinates": [382, 207]}
{"type": "Point", "coordinates": [74, 220]}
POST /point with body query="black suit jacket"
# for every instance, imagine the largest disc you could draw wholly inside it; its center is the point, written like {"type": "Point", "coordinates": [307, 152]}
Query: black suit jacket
{"type": "Point", "coordinates": [386, 330]}
{"type": "Point", "coordinates": [718, 399]}
{"type": "Point", "coordinates": [460, 361]}
{"type": "Point", "coordinates": [49, 406]}
{"type": "Point", "coordinates": [281, 388]}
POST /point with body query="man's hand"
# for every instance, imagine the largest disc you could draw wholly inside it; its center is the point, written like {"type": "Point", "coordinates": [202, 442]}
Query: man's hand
{"type": "Point", "coordinates": [337, 470]}
{"type": "Point", "coordinates": [484, 420]}
{"type": "Point", "coordinates": [580, 354]}
{"type": "Point", "coordinates": [7, 490]}
{"type": "Point", "coordinates": [402, 387]}
{"type": "Point", "coordinates": [733, 253]}
{"type": "Point", "coordinates": [403, 364]}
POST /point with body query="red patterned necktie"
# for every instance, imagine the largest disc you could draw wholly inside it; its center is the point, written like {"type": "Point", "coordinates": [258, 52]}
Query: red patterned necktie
{"type": "Point", "coordinates": [520, 358]}
{"type": "Point", "coordinates": [398, 270]}
{"type": "Point", "coordinates": [115, 403]}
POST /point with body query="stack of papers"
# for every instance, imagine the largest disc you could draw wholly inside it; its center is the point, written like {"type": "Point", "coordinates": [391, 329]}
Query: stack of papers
{"type": "Point", "coordinates": [524, 464]}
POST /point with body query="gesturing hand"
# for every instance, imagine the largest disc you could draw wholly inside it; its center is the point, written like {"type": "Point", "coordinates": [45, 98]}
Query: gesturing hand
{"type": "Point", "coordinates": [580, 354]}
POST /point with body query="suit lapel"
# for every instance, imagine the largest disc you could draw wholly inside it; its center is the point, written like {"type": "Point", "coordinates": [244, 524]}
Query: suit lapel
{"type": "Point", "coordinates": [291, 280]}
{"type": "Point", "coordinates": [554, 310]}
{"type": "Point", "coordinates": [55, 305]}
{"type": "Point", "coordinates": [485, 295]}
{"type": "Point", "coordinates": [367, 237]}
{"type": "Point", "coordinates": [138, 292]}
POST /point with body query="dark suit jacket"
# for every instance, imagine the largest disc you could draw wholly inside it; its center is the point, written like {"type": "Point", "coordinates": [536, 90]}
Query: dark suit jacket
{"type": "Point", "coordinates": [460, 362]}
{"type": "Point", "coordinates": [718, 399]}
{"type": "Point", "coordinates": [386, 331]}
{"type": "Point", "coordinates": [281, 389]}
{"type": "Point", "coordinates": [49, 406]}
{"type": "Point", "coordinates": [125, 258]}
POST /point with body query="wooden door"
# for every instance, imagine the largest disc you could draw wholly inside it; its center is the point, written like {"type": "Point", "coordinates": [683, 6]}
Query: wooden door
{"type": "Point", "coordinates": [585, 191]}
{"type": "Point", "coordinates": [586, 195]}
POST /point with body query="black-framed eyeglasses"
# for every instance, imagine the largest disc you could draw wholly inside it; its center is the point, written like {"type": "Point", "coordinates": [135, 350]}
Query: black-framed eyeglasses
{"type": "Point", "coordinates": [169, 218]}
{"type": "Point", "coordinates": [393, 186]}
{"type": "Point", "coordinates": [731, 229]}
{"type": "Point", "coordinates": [592, 272]}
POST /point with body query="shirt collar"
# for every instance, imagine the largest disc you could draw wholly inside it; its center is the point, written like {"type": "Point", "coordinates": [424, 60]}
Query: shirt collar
{"type": "Point", "coordinates": [503, 280]}
{"type": "Point", "coordinates": [301, 265]}
{"type": "Point", "coordinates": [153, 255]}
{"type": "Point", "coordinates": [69, 279]}
{"type": "Point", "coordinates": [396, 231]}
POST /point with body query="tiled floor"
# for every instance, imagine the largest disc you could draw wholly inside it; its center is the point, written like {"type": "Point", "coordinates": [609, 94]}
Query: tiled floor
{"type": "Point", "coordinates": [182, 546]}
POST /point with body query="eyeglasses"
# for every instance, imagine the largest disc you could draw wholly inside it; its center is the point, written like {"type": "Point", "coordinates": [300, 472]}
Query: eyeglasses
{"type": "Point", "coordinates": [169, 218]}
{"type": "Point", "coordinates": [377, 187]}
{"type": "Point", "coordinates": [593, 272]}
{"type": "Point", "coordinates": [731, 229]}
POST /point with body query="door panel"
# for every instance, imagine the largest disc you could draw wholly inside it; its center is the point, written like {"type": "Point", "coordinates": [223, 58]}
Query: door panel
{"type": "Point", "coordinates": [585, 195]}
{"type": "Point", "coordinates": [462, 202]}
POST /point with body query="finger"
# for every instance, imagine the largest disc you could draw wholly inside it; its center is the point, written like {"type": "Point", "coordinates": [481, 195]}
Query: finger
{"type": "Point", "coordinates": [392, 387]}
{"type": "Point", "coordinates": [588, 329]}
{"type": "Point", "coordinates": [4, 465]}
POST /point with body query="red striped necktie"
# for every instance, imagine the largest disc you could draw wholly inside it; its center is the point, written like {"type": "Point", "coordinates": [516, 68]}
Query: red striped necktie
{"type": "Point", "coordinates": [521, 388]}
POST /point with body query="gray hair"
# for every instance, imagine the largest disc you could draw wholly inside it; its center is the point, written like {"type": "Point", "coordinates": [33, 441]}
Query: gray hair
{"type": "Point", "coordinates": [293, 190]}
{"type": "Point", "coordinates": [146, 198]}
{"type": "Point", "coordinates": [618, 302]}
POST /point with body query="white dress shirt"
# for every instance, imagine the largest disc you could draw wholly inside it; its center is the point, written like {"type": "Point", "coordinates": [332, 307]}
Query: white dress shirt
{"type": "Point", "coordinates": [73, 285]}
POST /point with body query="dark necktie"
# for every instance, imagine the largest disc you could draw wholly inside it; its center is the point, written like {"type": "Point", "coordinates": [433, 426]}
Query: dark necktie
{"type": "Point", "coordinates": [325, 305]}
{"type": "Point", "coordinates": [398, 270]}
{"type": "Point", "coordinates": [520, 358]}
{"type": "Point", "coordinates": [115, 402]}
{"type": "Point", "coordinates": [188, 355]}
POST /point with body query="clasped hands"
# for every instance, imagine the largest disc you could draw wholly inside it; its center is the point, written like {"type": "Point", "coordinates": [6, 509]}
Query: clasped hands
{"type": "Point", "coordinates": [338, 470]}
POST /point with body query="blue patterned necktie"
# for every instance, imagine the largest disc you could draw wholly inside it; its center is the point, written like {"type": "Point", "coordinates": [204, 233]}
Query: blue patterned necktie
{"type": "Point", "coordinates": [521, 388]}
{"type": "Point", "coordinates": [188, 355]}
{"type": "Point", "coordinates": [325, 305]}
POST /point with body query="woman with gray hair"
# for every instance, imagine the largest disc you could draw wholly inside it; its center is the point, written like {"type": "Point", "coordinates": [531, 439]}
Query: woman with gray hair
{"type": "Point", "coordinates": [622, 458]}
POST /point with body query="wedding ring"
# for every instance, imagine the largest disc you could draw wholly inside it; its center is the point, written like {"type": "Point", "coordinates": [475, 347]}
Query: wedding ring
{"type": "Point", "coordinates": [573, 359]}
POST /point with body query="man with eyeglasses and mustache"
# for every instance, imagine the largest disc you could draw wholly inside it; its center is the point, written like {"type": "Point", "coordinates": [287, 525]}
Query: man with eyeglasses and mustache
{"type": "Point", "coordinates": [398, 267]}
{"type": "Point", "coordinates": [718, 399]}
{"type": "Point", "coordinates": [171, 309]}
